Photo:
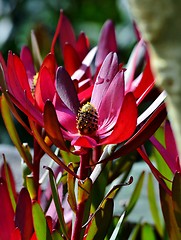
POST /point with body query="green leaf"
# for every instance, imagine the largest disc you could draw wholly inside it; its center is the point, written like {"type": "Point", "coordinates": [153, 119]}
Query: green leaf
{"type": "Point", "coordinates": [9, 185]}
{"type": "Point", "coordinates": [153, 205]}
{"type": "Point", "coordinates": [57, 202]}
{"type": "Point", "coordinates": [117, 228]}
{"type": "Point", "coordinates": [98, 227]}
{"type": "Point", "coordinates": [136, 232]}
{"type": "Point", "coordinates": [12, 130]}
{"type": "Point", "coordinates": [135, 195]}
{"type": "Point", "coordinates": [84, 189]}
{"type": "Point", "coordinates": [146, 231]}
{"type": "Point", "coordinates": [169, 216]}
{"type": "Point", "coordinates": [36, 50]}
{"type": "Point", "coordinates": [71, 193]}
{"type": "Point", "coordinates": [56, 235]}
{"type": "Point", "coordinates": [31, 187]}
{"type": "Point", "coordinates": [176, 197]}
{"type": "Point", "coordinates": [40, 224]}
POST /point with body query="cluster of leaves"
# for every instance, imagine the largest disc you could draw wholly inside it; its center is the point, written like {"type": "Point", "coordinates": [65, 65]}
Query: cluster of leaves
{"type": "Point", "coordinates": [78, 202]}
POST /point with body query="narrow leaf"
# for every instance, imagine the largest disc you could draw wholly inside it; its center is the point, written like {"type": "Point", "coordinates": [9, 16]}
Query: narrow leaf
{"type": "Point", "coordinates": [10, 183]}
{"type": "Point", "coordinates": [84, 189]}
{"type": "Point", "coordinates": [146, 231]}
{"type": "Point", "coordinates": [176, 197]}
{"type": "Point", "coordinates": [40, 224]}
{"type": "Point", "coordinates": [153, 205]}
{"type": "Point", "coordinates": [117, 228]}
{"type": "Point", "coordinates": [57, 202]}
{"type": "Point", "coordinates": [135, 195]}
{"type": "Point", "coordinates": [168, 213]}
{"type": "Point", "coordinates": [71, 193]}
{"type": "Point", "coordinates": [98, 227]}
{"type": "Point", "coordinates": [12, 130]}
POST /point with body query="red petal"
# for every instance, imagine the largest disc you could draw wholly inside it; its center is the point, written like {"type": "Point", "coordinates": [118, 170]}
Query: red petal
{"type": "Point", "coordinates": [126, 123]}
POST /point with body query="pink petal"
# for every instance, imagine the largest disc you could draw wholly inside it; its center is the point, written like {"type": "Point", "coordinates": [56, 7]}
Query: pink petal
{"type": "Point", "coordinates": [107, 72]}
{"type": "Point", "coordinates": [65, 116]}
{"type": "Point", "coordinates": [126, 123]}
{"type": "Point", "coordinates": [107, 42]}
{"type": "Point", "coordinates": [112, 101]}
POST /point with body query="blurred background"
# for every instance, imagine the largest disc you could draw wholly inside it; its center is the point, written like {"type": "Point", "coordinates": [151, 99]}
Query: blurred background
{"type": "Point", "coordinates": [19, 17]}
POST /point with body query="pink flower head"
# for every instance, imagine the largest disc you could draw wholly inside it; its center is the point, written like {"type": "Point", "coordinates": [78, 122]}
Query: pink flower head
{"type": "Point", "coordinates": [109, 117]}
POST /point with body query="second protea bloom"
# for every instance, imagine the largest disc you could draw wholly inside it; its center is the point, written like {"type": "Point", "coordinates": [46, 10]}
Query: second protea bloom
{"type": "Point", "coordinates": [109, 117]}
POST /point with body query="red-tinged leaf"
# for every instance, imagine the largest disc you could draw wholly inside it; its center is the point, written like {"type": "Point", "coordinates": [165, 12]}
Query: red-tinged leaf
{"type": "Point", "coordinates": [40, 224]}
{"type": "Point", "coordinates": [126, 122]}
{"type": "Point", "coordinates": [66, 90]}
{"type": "Point", "coordinates": [23, 216]}
{"type": "Point", "coordinates": [144, 133]}
{"type": "Point", "coordinates": [98, 227]}
{"type": "Point", "coordinates": [22, 77]}
{"type": "Point", "coordinates": [136, 58]}
{"type": "Point", "coordinates": [146, 81]}
{"type": "Point", "coordinates": [106, 46]}
{"type": "Point", "coordinates": [27, 59]}
{"type": "Point", "coordinates": [66, 32]}
{"type": "Point", "coordinates": [7, 175]}
{"type": "Point", "coordinates": [34, 236]}
{"type": "Point", "coordinates": [16, 234]}
{"type": "Point", "coordinates": [48, 150]}
{"type": "Point", "coordinates": [176, 197]}
{"type": "Point", "coordinates": [6, 212]}
{"type": "Point", "coordinates": [71, 59]}
{"type": "Point", "coordinates": [82, 45]}
{"type": "Point", "coordinates": [50, 63]}
{"type": "Point", "coordinates": [53, 130]}
{"type": "Point", "coordinates": [85, 64]}
{"type": "Point", "coordinates": [45, 88]}
{"type": "Point", "coordinates": [153, 169]}
{"type": "Point", "coordinates": [169, 216]}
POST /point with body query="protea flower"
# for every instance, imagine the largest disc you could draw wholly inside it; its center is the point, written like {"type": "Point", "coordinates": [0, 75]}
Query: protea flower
{"type": "Point", "coordinates": [109, 117]}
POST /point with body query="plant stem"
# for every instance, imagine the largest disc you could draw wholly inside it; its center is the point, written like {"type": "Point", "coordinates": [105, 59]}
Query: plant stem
{"type": "Point", "coordinates": [77, 232]}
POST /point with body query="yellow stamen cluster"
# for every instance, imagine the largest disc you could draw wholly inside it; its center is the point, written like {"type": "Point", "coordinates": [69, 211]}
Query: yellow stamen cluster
{"type": "Point", "coordinates": [87, 120]}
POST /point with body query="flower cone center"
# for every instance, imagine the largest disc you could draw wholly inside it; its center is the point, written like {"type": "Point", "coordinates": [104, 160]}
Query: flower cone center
{"type": "Point", "coordinates": [87, 120]}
